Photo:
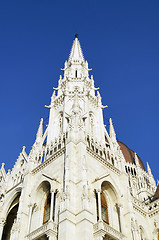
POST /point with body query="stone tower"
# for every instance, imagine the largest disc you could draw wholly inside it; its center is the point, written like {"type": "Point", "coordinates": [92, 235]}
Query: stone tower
{"type": "Point", "coordinates": [78, 181]}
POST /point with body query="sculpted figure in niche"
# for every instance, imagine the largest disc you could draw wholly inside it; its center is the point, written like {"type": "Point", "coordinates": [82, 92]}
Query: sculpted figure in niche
{"type": "Point", "coordinates": [76, 119]}
{"type": "Point", "coordinates": [91, 123]}
{"type": "Point", "coordinates": [60, 122]}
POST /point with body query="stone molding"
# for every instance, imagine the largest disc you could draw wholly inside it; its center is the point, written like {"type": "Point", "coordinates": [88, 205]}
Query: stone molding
{"type": "Point", "coordinates": [48, 161]}
{"type": "Point", "coordinates": [103, 229]}
{"type": "Point", "coordinates": [49, 228]}
{"type": "Point", "coordinates": [103, 161]}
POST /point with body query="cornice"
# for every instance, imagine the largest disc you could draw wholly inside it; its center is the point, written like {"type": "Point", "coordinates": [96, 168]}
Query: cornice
{"type": "Point", "coordinates": [48, 161]}
{"type": "Point", "coordinates": [103, 161]}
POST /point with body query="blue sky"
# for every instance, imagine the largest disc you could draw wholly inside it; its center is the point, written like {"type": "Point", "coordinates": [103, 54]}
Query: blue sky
{"type": "Point", "coordinates": [120, 41]}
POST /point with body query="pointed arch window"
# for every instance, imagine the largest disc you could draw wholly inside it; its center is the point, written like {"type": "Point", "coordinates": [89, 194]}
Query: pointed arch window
{"type": "Point", "coordinates": [47, 208]}
{"type": "Point", "coordinates": [11, 219]}
{"type": "Point", "coordinates": [104, 209]}
{"type": "Point", "coordinates": [141, 234]}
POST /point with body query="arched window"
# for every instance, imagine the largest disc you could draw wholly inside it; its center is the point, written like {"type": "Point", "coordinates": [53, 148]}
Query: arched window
{"type": "Point", "coordinates": [104, 209]}
{"type": "Point", "coordinates": [11, 219]}
{"type": "Point", "coordinates": [47, 208]}
{"type": "Point", "coordinates": [141, 234]}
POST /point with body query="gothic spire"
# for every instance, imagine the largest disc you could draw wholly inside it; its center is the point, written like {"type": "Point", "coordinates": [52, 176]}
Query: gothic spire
{"type": "Point", "coordinates": [148, 168]}
{"type": "Point", "coordinates": [136, 160]}
{"type": "Point", "coordinates": [111, 130]}
{"type": "Point", "coordinates": [40, 130]}
{"type": "Point", "coordinates": [76, 51]}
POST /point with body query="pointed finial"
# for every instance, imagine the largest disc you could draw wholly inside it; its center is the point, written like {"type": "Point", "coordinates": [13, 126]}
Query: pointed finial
{"type": "Point", "coordinates": [23, 148]}
{"type": "Point", "coordinates": [98, 94]}
{"type": "Point", "coordinates": [40, 130]}
{"type": "Point", "coordinates": [76, 35]}
{"type": "Point", "coordinates": [111, 130]}
{"type": "Point", "coordinates": [53, 96]}
{"type": "Point", "coordinates": [136, 159]}
{"type": "Point", "coordinates": [3, 164]}
{"type": "Point", "coordinates": [76, 51]}
{"type": "Point", "coordinates": [148, 168]}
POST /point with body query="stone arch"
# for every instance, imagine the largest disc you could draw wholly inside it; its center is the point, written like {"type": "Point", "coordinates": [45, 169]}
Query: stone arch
{"type": "Point", "coordinates": [11, 215]}
{"type": "Point", "coordinates": [39, 198]}
{"type": "Point", "coordinates": [142, 233]}
{"type": "Point", "coordinates": [10, 199]}
{"type": "Point", "coordinates": [112, 197]}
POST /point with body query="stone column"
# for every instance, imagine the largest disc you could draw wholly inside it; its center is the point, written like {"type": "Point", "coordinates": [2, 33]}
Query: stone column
{"type": "Point", "coordinates": [120, 216]}
{"type": "Point", "coordinates": [51, 205]}
{"type": "Point", "coordinates": [133, 235]}
{"type": "Point", "coordinates": [99, 205]}
{"type": "Point", "coordinates": [29, 218]}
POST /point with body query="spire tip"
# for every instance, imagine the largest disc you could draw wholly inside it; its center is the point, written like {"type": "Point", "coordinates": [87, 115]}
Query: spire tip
{"type": "Point", "coordinates": [76, 35]}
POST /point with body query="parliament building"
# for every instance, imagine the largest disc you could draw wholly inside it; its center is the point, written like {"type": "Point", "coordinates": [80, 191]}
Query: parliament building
{"type": "Point", "coordinates": [78, 181]}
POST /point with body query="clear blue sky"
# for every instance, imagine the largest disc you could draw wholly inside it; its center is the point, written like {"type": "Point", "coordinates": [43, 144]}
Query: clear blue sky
{"type": "Point", "coordinates": [120, 41]}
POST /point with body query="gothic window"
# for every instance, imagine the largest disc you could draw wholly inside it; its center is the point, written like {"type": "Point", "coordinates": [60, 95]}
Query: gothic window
{"type": "Point", "coordinates": [104, 209]}
{"type": "Point", "coordinates": [108, 156]}
{"type": "Point", "coordinates": [76, 73]}
{"type": "Point", "coordinates": [134, 172]}
{"type": "Point", "coordinates": [96, 196]}
{"type": "Point", "coordinates": [112, 160]}
{"type": "Point", "coordinates": [54, 203]}
{"type": "Point", "coordinates": [141, 234]}
{"type": "Point", "coordinates": [11, 219]}
{"type": "Point", "coordinates": [47, 208]}
{"type": "Point", "coordinates": [88, 141]}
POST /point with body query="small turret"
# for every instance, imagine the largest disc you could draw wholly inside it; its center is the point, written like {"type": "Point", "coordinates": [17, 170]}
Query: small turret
{"type": "Point", "coordinates": [76, 51]}
{"type": "Point", "coordinates": [40, 131]}
{"type": "Point", "coordinates": [76, 67]}
{"type": "Point", "coordinates": [53, 96]}
{"type": "Point", "coordinates": [112, 131]}
{"type": "Point", "coordinates": [3, 172]}
{"type": "Point", "coordinates": [148, 169]}
{"type": "Point", "coordinates": [136, 160]}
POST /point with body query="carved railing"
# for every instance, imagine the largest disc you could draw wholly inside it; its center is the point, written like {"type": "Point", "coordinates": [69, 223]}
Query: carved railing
{"type": "Point", "coordinates": [102, 229]}
{"type": "Point", "coordinates": [49, 228]}
{"type": "Point", "coordinates": [139, 206]}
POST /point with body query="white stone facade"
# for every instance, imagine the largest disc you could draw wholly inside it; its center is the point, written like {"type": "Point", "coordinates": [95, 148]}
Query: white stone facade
{"type": "Point", "coordinates": [78, 182]}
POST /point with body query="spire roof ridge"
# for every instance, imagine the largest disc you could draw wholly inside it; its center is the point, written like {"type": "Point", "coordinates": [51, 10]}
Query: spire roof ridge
{"type": "Point", "coordinates": [76, 51]}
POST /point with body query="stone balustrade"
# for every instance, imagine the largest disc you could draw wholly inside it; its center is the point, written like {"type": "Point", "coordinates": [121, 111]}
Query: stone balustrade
{"type": "Point", "coordinates": [102, 229]}
{"type": "Point", "coordinates": [49, 229]}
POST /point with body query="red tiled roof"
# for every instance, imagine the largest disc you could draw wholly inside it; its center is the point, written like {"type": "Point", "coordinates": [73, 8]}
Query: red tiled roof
{"type": "Point", "coordinates": [129, 154]}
